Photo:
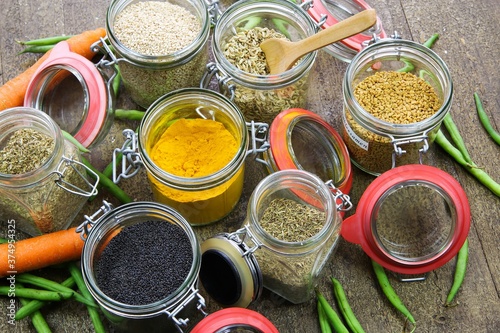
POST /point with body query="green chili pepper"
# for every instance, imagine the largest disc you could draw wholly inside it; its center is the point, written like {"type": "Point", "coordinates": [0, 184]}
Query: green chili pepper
{"type": "Point", "coordinates": [461, 267]}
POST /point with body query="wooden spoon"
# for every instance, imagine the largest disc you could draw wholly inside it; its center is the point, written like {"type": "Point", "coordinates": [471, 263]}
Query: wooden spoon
{"type": "Point", "coordinates": [281, 54]}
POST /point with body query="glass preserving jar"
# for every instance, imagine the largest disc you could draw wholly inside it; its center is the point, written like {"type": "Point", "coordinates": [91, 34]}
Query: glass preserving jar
{"type": "Point", "coordinates": [75, 92]}
{"type": "Point", "coordinates": [261, 97]}
{"type": "Point", "coordinates": [376, 145]}
{"type": "Point", "coordinates": [147, 77]}
{"type": "Point", "coordinates": [412, 219]}
{"type": "Point", "coordinates": [236, 266]}
{"type": "Point", "coordinates": [178, 311]}
{"type": "Point", "coordinates": [235, 320]}
{"type": "Point", "coordinates": [45, 198]}
{"type": "Point", "coordinates": [201, 199]}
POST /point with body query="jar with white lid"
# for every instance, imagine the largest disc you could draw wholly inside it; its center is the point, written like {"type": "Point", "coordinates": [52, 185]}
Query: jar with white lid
{"type": "Point", "coordinates": [152, 71]}
{"type": "Point", "coordinates": [377, 145]}
{"type": "Point", "coordinates": [48, 196]}
{"type": "Point", "coordinates": [176, 311]}
{"type": "Point", "coordinates": [236, 266]}
{"type": "Point", "coordinates": [327, 13]}
{"type": "Point", "coordinates": [75, 92]}
{"type": "Point", "coordinates": [411, 220]}
{"type": "Point", "coordinates": [260, 97]}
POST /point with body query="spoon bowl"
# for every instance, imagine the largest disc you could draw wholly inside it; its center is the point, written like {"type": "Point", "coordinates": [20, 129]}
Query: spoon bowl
{"type": "Point", "coordinates": [281, 54]}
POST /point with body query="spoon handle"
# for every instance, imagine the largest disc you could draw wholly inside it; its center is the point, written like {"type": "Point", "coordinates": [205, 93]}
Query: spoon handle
{"type": "Point", "coordinates": [341, 30]}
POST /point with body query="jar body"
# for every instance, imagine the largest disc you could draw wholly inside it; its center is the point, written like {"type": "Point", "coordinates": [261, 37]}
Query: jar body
{"type": "Point", "coordinates": [376, 146]}
{"type": "Point", "coordinates": [35, 200]}
{"type": "Point", "coordinates": [262, 97]}
{"type": "Point", "coordinates": [154, 317]}
{"type": "Point", "coordinates": [147, 77]}
{"type": "Point", "coordinates": [204, 199]}
{"type": "Point", "coordinates": [292, 269]}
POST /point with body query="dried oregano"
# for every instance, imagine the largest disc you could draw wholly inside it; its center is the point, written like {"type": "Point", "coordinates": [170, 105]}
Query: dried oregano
{"type": "Point", "coordinates": [26, 150]}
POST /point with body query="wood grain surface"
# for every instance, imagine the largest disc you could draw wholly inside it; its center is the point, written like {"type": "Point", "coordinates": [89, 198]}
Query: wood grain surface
{"type": "Point", "coordinates": [470, 45]}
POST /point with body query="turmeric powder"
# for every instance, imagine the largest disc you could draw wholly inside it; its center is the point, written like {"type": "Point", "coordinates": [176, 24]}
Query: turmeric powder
{"type": "Point", "coordinates": [195, 148]}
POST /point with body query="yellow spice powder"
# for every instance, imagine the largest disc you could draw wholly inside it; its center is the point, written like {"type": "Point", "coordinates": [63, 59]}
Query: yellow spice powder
{"type": "Point", "coordinates": [194, 148]}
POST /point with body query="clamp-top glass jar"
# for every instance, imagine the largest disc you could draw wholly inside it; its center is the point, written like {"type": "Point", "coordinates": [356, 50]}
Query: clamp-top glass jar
{"type": "Point", "coordinates": [375, 144]}
{"type": "Point", "coordinates": [43, 183]}
{"type": "Point", "coordinates": [151, 62]}
{"type": "Point", "coordinates": [241, 27]}
{"type": "Point", "coordinates": [291, 231]}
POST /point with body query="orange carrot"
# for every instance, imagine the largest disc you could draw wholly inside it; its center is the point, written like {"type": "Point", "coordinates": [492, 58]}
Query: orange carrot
{"type": "Point", "coordinates": [40, 251]}
{"type": "Point", "coordinates": [13, 91]}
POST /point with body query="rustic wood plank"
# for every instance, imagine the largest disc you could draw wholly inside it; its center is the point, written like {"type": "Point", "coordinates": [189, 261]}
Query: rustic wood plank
{"type": "Point", "coordinates": [469, 45]}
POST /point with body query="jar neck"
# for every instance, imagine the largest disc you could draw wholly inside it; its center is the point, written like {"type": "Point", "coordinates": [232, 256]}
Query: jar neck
{"type": "Point", "coordinates": [109, 224]}
{"type": "Point", "coordinates": [305, 187]}
{"type": "Point", "coordinates": [423, 58]}
{"type": "Point", "coordinates": [281, 10]}
{"type": "Point", "coordinates": [19, 118]}
{"type": "Point", "coordinates": [197, 7]}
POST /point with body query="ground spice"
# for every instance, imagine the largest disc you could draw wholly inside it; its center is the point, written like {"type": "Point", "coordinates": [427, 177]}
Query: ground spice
{"type": "Point", "coordinates": [396, 98]}
{"type": "Point", "coordinates": [26, 150]}
{"type": "Point", "coordinates": [158, 29]}
{"type": "Point", "coordinates": [290, 221]}
{"type": "Point", "coordinates": [195, 148]}
{"type": "Point", "coordinates": [243, 51]}
{"type": "Point", "coordinates": [144, 263]}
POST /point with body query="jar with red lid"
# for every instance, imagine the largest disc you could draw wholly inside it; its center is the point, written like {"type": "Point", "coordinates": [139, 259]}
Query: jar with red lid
{"type": "Point", "coordinates": [75, 92]}
{"type": "Point", "coordinates": [412, 219]}
{"type": "Point", "coordinates": [235, 320]}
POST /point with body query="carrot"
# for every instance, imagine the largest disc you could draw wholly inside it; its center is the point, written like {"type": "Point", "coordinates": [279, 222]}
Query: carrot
{"type": "Point", "coordinates": [40, 251]}
{"type": "Point", "coordinates": [13, 91]}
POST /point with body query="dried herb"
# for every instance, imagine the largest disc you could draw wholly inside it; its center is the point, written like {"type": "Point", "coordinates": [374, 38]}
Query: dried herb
{"type": "Point", "coordinates": [26, 150]}
{"type": "Point", "coordinates": [290, 221]}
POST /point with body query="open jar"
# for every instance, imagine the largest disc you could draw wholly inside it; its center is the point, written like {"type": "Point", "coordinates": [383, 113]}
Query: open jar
{"type": "Point", "coordinates": [237, 34]}
{"type": "Point", "coordinates": [193, 144]}
{"type": "Point", "coordinates": [161, 45]}
{"type": "Point", "coordinates": [140, 261]}
{"type": "Point", "coordinates": [43, 184]}
{"type": "Point", "coordinates": [393, 134]}
{"type": "Point", "coordinates": [75, 92]}
{"type": "Point", "coordinates": [291, 231]}
{"type": "Point", "coordinates": [412, 219]}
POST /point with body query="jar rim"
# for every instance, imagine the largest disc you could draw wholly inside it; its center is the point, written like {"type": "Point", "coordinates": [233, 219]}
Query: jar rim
{"type": "Point", "coordinates": [106, 224]}
{"type": "Point", "coordinates": [194, 183]}
{"type": "Point", "coordinates": [243, 9]}
{"type": "Point", "coordinates": [174, 59]}
{"type": "Point", "coordinates": [391, 47]}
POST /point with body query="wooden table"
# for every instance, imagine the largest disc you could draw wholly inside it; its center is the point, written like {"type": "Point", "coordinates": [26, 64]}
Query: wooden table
{"type": "Point", "coordinates": [469, 44]}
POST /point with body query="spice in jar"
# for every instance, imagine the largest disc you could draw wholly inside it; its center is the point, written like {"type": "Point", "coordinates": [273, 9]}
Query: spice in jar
{"type": "Point", "coordinates": [394, 98]}
{"type": "Point", "coordinates": [196, 148]}
{"type": "Point", "coordinates": [290, 221]}
{"type": "Point", "coordinates": [144, 263]}
{"type": "Point", "coordinates": [158, 29]}
{"type": "Point", "coordinates": [38, 204]}
{"type": "Point", "coordinates": [295, 275]}
{"type": "Point", "coordinates": [244, 52]}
